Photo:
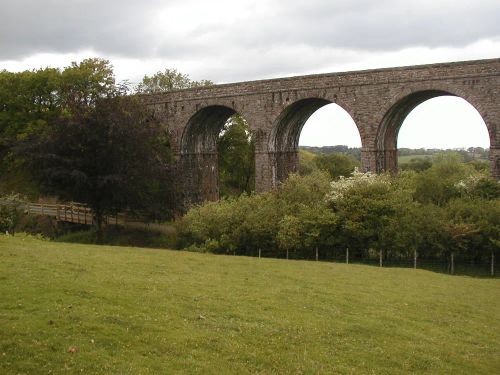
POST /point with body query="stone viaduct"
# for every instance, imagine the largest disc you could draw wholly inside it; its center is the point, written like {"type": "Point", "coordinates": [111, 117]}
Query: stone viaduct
{"type": "Point", "coordinates": [276, 110]}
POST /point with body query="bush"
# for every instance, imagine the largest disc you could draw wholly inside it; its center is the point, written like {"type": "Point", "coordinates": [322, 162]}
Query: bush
{"type": "Point", "coordinates": [10, 212]}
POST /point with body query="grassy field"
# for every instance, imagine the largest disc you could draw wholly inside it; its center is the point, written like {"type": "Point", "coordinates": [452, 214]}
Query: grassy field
{"type": "Point", "coordinates": [407, 158]}
{"type": "Point", "coordinates": [137, 311]}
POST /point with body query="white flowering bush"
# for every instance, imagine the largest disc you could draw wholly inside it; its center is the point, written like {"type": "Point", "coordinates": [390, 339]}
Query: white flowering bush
{"type": "Point", "coordinates": [477, 185]}
{"type": "Point", "coordinates": [468, 184]}
{"type": "Point", "coordinates": [339, 188]}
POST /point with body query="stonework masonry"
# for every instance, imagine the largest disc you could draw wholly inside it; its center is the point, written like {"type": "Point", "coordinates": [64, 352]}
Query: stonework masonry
{"type": "Point", "coordinates": [276, 110]}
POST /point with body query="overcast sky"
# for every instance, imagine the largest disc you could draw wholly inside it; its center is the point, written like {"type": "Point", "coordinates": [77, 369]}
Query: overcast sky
{"type": "Point", "coordinates": [236, 40]}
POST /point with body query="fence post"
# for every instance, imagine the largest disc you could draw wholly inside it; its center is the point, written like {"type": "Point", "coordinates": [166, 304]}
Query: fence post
{"type": "Point", "coordinates": [415, 259]}
{"type": "Point", "coordinates": [452, 266]}
{"type": "Point", "coordinates": [317, 255]}
{"type": "Point", "coordinates": [259, 253]}
{"type": "Point", "coordinates": [380, 258]}
{"type": "Point", "coordinates": [492, 263]}
{"type": "Point", "coordinates": [347, 255]}
{"type": "Point", "coordinates": [287, 254]}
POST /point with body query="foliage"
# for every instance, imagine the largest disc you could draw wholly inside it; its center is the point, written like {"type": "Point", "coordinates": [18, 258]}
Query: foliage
{"type": "Point", "coordinates": [307, 190]}
{"type": "Point", "coordinates": [352, 152]}
{"type": "Point", "coordinates": [306, 162]}
{"type": "Point", "coordinates": [168, 80]}
{"type": "Point", "coordinates": [236, 150]}
{"type": "Point", "coordinates": [79, 136]}
{"type": "Point", "coordinates": [30, 100]}
{"type": "Point", "coordinates": [439, 184]}
{"type": "Point", "coordinates": [87, 82]}
{"type": "Point", "coordinates": [367, 213]}
{"type": "Point", "coordinates": [475, 223]}
{"type": "Point", "coordinates": [250, 222]}
{"type": "Point", "coordinates": [289, 234]}
{"type": "Point", "coordinates": [336, 164]}
{"type": "Point", "coordinates": [10, 207]}
{"type": "Point", "coordinates": [417, 164]}
{"type": "Point", "coordinates": [107, 156]}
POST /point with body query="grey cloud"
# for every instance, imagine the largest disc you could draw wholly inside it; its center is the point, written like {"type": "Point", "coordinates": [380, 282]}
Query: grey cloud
{"type": "Point", "coordinates": [118, 27]}
{"type": "Point", "coordinates": [124, 28]}
{"type": "Point", "coordinates": [368, 25]}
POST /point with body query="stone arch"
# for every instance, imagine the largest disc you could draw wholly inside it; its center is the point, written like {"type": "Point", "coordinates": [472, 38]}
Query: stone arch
{"type": "Point", "coordinates": [283, 142]}
{"type": "Point", "coordinates": [203, 128]}
{"type": "Point", "coordinates": [198, 157]}
{"type": "Point", "coordinates": [394, 116]}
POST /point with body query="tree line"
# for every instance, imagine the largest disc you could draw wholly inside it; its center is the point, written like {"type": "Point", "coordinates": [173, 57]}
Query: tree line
{"type": "Point", "coordinates": [448, 210]}
{"type": "Point", "coordinates": [79, 135]}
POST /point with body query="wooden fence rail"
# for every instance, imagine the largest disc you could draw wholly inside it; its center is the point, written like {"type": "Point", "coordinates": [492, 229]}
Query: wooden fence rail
{"type": "Point", "coordinates": [73, 213]}
{"type": "Point", "coordinates": [81, 214]}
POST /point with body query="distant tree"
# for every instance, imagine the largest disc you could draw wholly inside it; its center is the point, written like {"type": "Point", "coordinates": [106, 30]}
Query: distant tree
{"type": "Point", "coordinates": [480, 165]}
{"type": "Point", "coordinates": [306, 162]}
{"type": "Point", "coordinates": [168, 80]}
{"type": "Point", "coordinates": [336, 164]}
{"type": "Point", "coordinates": [440, 183]}
{"type": "Point", "coordinates": [84, 83]}
{"type": "Point", "coordinates": [236, 158]}
{"type": "Point", "coordinates": [417, 164]}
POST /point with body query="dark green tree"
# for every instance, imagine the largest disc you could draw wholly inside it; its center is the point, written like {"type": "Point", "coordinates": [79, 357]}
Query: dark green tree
{"type": "Point", "coordinates": [236, 158]}
{"type": "Point", "coordinates": [107, 155]}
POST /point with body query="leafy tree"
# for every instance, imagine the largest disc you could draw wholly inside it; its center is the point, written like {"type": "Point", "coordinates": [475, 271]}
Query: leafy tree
{"type": "Point", "coordinates": [10, 208]}
{"type": "Point", "coordinates": [289, 236]}
{"type": "Point", "coordinates": [417, 164]}
{"type": "Point", "coordinates": [168, 80]}
{"type": "Point", "coordinates": [306, 162]}
{"type": "Point", "coordinates": [440, 183]}
{"type": "Point", "coordinates": [477, 223]}
{"type": "Point", "coordinates": [304, 190]}
{"type": "Point", "coordinates": [84, 83]}
{"type": "Point", "coordinates": [366, 204]}
{"type": "Point", "coordinates": [236, 158]}
{"type": "Point", "coordinates": [107, 156]}
{"type": "Point", "coordinates": [336, 164]}
{"type": "Point", "coordinates": [28, 100]}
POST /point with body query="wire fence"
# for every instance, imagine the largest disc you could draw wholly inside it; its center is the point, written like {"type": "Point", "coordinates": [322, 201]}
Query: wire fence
{"type": "Point", "coordinates": [449, 264]}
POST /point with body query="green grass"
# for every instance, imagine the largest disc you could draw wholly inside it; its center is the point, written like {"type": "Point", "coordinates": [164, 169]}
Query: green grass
{"type": "Point", "coordinates": [138, 311]}
{"type": "Point", "coordinates": [407, 158]}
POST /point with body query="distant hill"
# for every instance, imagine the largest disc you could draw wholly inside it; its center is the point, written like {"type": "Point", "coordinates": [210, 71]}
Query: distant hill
{"type": "Point", "coordinates": [405, 154]}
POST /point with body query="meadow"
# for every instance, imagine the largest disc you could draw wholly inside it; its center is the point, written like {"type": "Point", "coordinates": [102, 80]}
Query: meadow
{"type": "Point", "coordinates": [72, 308]}
{"type": "Point", "coordinates": [407, 158]}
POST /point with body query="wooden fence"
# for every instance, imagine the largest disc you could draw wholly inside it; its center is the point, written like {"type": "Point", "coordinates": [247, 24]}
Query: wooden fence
{"type": "Point", "coordinates": [79, 213]}
{"type": "Point", "coordinates": [73, 212]}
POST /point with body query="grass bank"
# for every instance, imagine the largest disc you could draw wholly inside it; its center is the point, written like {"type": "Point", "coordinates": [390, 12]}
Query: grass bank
{"type": "Point", "coordinates": [138, 311]}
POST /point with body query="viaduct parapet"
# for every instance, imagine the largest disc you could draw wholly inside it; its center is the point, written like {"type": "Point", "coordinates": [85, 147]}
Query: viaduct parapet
{"type": "Point", "coordinates": [276, 110]}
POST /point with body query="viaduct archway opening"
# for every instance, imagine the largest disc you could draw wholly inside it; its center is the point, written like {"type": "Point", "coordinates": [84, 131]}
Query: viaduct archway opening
{"type": "Point", "coordinates": [287, 130]}
{"type": "Point", "coordinates": [405, 114]}
{"type": "Point", "coordinates": [200, 148]}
